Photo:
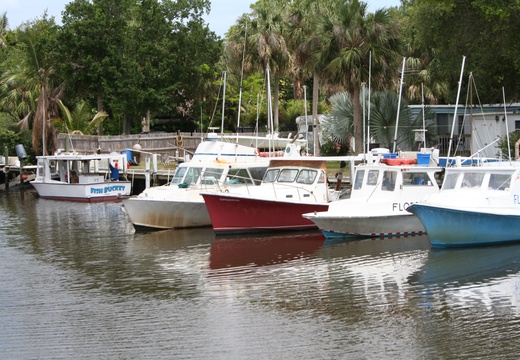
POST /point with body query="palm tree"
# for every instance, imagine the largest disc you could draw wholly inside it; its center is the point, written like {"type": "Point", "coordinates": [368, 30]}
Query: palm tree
{"type": "Point", "coordinates": [4, 24]}
{"type": "Point", "coordinates": [345, 41]}
{"type": "Point", "coordinates": [27, 84]}
{"type": "Point", "coordinates": [383, 122]}
{"type": "Point", "coordinates": [82, 120]}
{"type": "Point", "coordinates": [302, 19]}
{"type": "Point", "coordinates": [338, 126]}
{"type": "Point", "coordinates": [267, 45]}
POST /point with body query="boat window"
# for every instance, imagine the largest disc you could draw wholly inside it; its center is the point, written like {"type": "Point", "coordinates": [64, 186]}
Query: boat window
{"type": "Point", "coordinates": [271, 175]}
{"type": "Point", "coordinates": [238, 176]}
{"type": "Point", "coordinates": [179, 174]}
{"type": "Point", "coordinates": [499, 181]}
{"type": "Point", "coordinates": [450, 181]}
{"type": "Point", "coordinates": [257, 173]}
{"type": "Point", "coordinates": [372, 177]}
{"type": "Point", "coordinates": [323, 177]}
{"type": "Point", "coordinates": [359, 179]}
{"type": "Point", "coordinates": [389, 178]}
{"type": "Point", "coordinates": [192, 175]}
{"type": "Point", "coordinates": [211, 173]}
{"type": "Point", "coordinates": [287, 175]}
{"type": "Point", "coordinates": [416, 179]}
{"type": "Point", "coordinates": [471, 180]}
{"type": "Point", "coordinates": [306, 176]}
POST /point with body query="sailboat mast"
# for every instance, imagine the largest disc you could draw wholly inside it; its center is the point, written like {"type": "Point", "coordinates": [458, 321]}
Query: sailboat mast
{"type": "Point", "coordinates": [241, 80]}
{"type": "Point", "coordinates": [223, 105]}
{"type": "Point", "coordinates": [398, 106]}
{"type": "Point", "coordinates": [455, 113]}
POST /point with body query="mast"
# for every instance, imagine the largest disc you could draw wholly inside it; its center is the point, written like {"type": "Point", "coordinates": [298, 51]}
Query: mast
{"type": "Point", "coordinates": [455, 114]}
{"type": "Point", "coordinates": [369, 84]}
{"type": "Point", "coordinates": [223, 105]}
{"type": "Point", "coordinates": [399, 106]}
{"type": "Point", "coordinates": [241, 79]}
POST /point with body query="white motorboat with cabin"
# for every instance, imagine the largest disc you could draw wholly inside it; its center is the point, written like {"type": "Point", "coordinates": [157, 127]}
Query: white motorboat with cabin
{"type": "Point", "coordinates": [477, 205]}
{"type": "Point", "coordinates": [381, 193]}
{"type": "Point", "coordinates": [84, 178]}
{"type": "Point", "coordinates": [290, 188]}
{"type": "Point", "coordinates": [178, 204]}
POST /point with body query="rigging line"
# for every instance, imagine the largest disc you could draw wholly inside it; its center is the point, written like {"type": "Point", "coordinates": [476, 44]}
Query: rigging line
{"type": "Point", "coordinates": [455, 117]}
{"type": "Point", "coordinates": [399, 106]}
{"type": "Point", "coordinates": [216, 102]}
{"type": "Point", "coordinates": [490, 136]}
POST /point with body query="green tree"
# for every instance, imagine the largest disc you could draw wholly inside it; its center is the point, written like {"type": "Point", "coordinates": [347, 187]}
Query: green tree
{"type": "Point", "coordinates": [267, 45]}
{"type": "Point", "coordinates": [347, 40]}
{"type": "Point", "coordinates": [484, 31]}
{"type": "Point", "coordinates": [81, 120]}
{"type": "Point", "coordinates": [29, 85]}
{"type": "Point", "coordinates": [339, 125]}
{"type": "Point", "coordinates": [139, 57]}
{"type": "Point", "coordinates": [3, 31]}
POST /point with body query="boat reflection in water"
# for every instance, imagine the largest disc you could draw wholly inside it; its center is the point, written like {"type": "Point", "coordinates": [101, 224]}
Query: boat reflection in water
{"type": "Point", "coordinates": [252, 251]}
{"type": "Point", "coordinates": [171, 239]}
{"type": "Point", "coordinates": [471, 277]}
{"type": "Point", "coordinates": [375, 270]}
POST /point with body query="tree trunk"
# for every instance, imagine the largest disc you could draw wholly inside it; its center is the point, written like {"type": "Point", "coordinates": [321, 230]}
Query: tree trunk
{"type": "Point", "coordinates": [316, 125]}
{"type": "Point", "coordinates": [358, 125]}
{"type": "Point", "coordinates": [127, 126]}
{"type": "Point", "coordinates": [99, 109]}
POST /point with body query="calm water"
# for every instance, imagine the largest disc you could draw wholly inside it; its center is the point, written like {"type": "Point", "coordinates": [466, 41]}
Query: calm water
{"type": "Point", "coordinates": [77, 282]}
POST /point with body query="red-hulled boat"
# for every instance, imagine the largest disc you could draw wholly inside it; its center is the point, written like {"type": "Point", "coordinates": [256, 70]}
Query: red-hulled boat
{"type": "Point", "coordinates": [290, 188]}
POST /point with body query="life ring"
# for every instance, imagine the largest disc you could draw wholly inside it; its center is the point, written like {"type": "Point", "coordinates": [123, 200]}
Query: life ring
{"type": "Point", "coordinates": [178, 140]}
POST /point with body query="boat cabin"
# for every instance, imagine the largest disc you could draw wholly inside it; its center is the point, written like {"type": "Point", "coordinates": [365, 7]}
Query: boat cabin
{"type": "Point", "coordinates": [384, 180]}
{"type": "Point", "coordinates": [77, 169]}
{"type": "Point", "coordinates": [194, 174]}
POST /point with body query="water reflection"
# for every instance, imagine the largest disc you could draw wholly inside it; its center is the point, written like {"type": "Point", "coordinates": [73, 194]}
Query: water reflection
{"type": "Point", "coordinates": [78, 282]}
{"type": "Point", "coordinates": [252, 251]}
{"type": "Point", "coordinates": [465, 278]}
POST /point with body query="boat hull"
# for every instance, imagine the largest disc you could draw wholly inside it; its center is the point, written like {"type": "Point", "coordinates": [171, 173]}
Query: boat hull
{"type": "Point", "coordinates": [95, 192]}
{"type": "Point", "coordinates": [368, 226]}
{"type": "Point", "coordinates": [235, 214]}
{"type": "Point", "coordinates": [166, 214]}
{"type": "Point", "coordinates": [451, 227]}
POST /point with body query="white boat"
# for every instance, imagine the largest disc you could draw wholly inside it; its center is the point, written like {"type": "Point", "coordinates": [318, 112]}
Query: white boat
{"type": "Point", "coordinates": [75, 177]}
{"type": "Point", "coordinates": [381, 193]}
{"type": "Point", "coordinates": [179, 204]}
{"type": "Point", "coordinates": [477, 205]}
{"type": "Point", "coordinates": [289, 188]}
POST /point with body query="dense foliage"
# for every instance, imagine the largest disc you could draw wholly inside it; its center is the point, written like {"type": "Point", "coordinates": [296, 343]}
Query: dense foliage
{"type": "Point", "coordinates": [158, 61]}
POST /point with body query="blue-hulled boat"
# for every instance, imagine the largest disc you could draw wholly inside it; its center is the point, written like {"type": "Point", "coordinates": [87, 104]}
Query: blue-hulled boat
{"type": "Point", "coordinates": [476, 206]}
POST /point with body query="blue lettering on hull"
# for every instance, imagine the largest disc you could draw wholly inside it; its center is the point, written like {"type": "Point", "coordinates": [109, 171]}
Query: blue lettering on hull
{"type": "Point", "coordinates": [107, 189]}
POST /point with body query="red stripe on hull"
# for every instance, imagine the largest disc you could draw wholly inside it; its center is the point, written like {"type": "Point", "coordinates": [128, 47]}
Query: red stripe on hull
{"type": "Point", "coordinates": [235, 214]}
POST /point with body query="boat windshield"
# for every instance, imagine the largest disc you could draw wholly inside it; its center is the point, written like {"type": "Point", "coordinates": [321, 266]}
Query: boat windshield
{"type": "Point", "coordinates": [238, 176]}
{"type": "Point", "coordinates": [306, 176]}
{"type": "Point", "coordinates": [359, 179]}
{"type": "Point", "coordinates": [450, 181]}
{"type": "Point", "coordinates": [472, 179]}
{"type": "Point", "coordinates": [211, 176]}
{"type": "Point", "coordinates": [179, 174]}
{"type": "Point", "coordinates": [287, 175]}
{"type": "Point", "coordinates": [389, 178]}
{"type": "Point", "coordinates": [414, 179]}
{"type": "Point", "coordinates": [372, 177]}
{"type": "Point", "coordinates": [271, 175]}
{"type": "Point", "coordinates": [499, 181]}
